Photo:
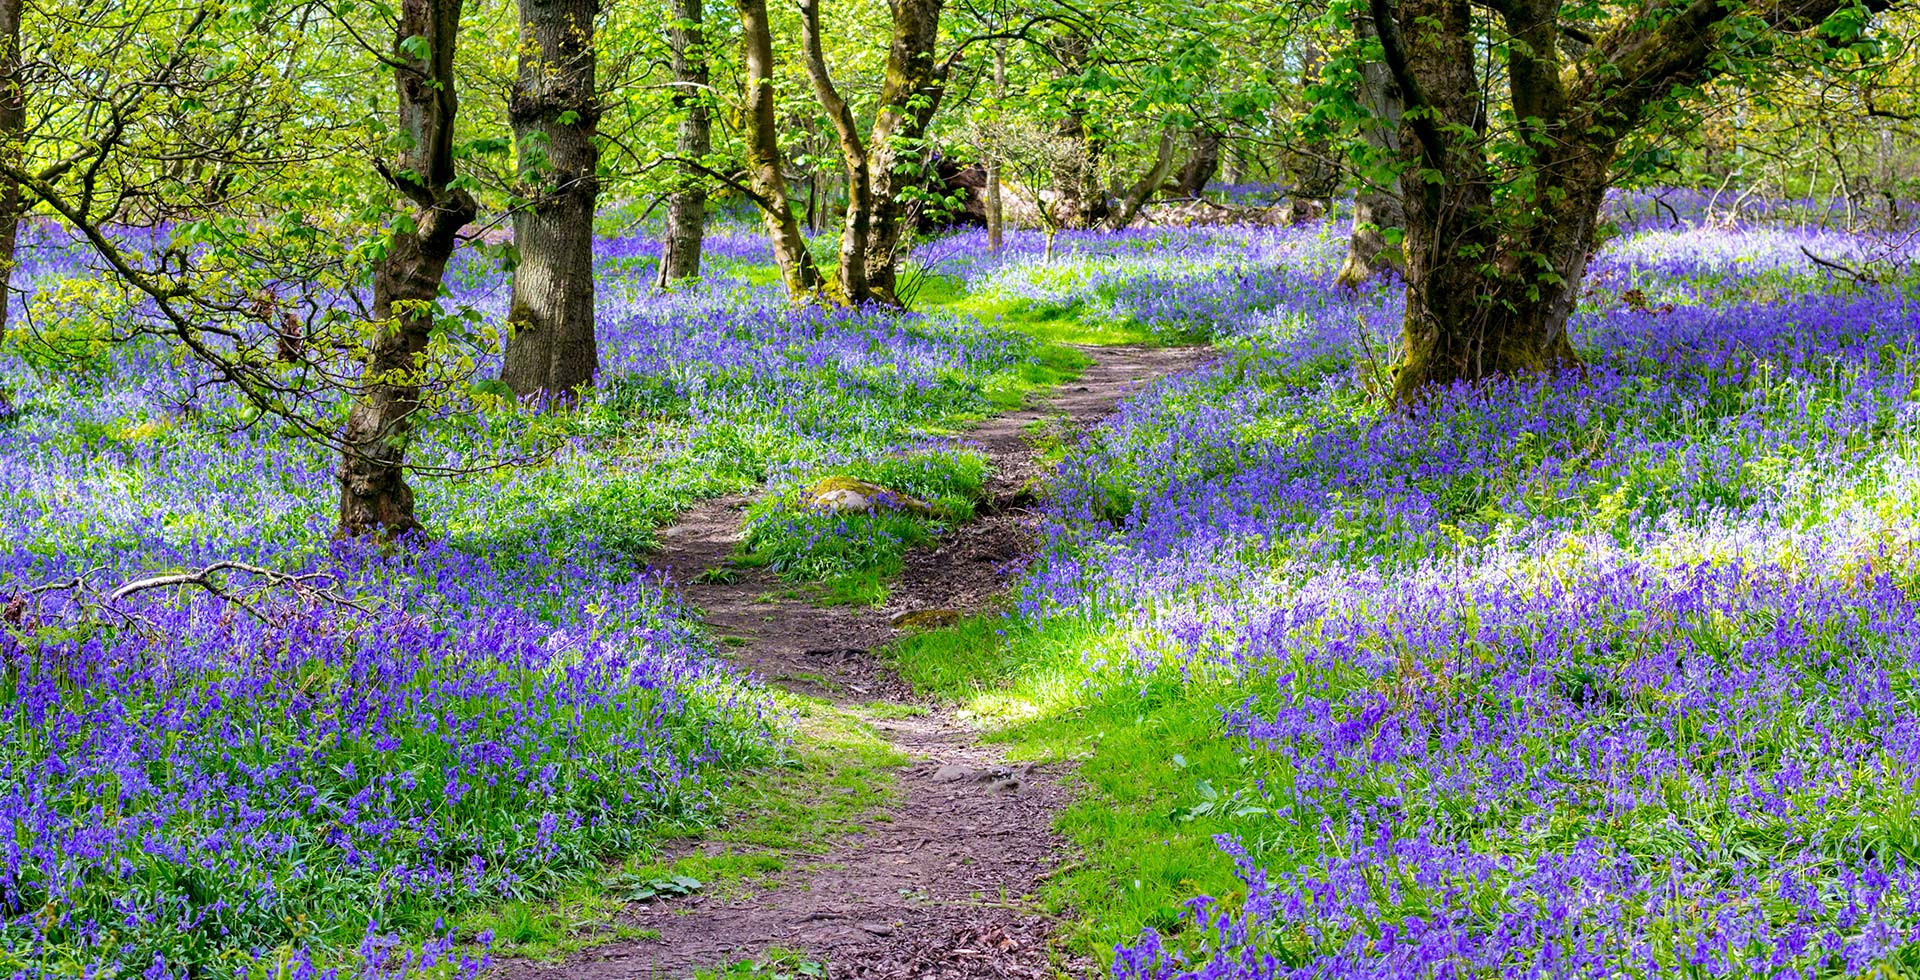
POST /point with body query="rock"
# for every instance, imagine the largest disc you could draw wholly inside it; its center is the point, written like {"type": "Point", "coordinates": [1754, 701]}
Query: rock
{"type": "Point", "coordinates": [951, 774]}
{"type": "Point", "coordinates": [876, 928]}
{"type": "Point", "coordinates": [925, 619]}
{"type": "Point", "coordinates": [846, 495]}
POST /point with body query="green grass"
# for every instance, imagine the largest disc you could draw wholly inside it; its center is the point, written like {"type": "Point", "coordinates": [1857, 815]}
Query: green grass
{"type": "Point", "coordinates": [1158, 781]}
{"type": "Point", "coordinates": [835, 778]}
{"type": "Point", "coordinates": [776, 964]}
{"type": "Point", "coordinates": [1051, 323]}
{"type": "Point", "coordinates": [853, 556]}
{"type": "Point", "coordinates": [1054, 364]}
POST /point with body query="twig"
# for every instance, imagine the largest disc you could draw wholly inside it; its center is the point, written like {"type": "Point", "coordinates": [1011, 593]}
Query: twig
{"type": "Point", "coordinates": [1860, 278]}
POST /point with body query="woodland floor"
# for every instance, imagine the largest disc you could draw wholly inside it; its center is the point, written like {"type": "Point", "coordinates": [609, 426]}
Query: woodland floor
{"type": "Point", "coordinates": [940, 884]}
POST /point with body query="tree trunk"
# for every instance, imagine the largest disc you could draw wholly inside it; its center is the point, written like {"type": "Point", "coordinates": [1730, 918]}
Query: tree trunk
{"type": "Point", "coordinates": [1376, 209]}
{"type": "Point", "coordinates": [1314, 176]}
{"type": "Point", "coordinates": [996, 218]}
{"type": "Point", "coordinates": [897, 153]}
{"type": "Point", "coordinates": [1478, 302]}
{"type": "Point", "coordinates": [554, 113]}
{"type": "Point", "coordinates": [1491, 292]}
{"type": "Point", "coordinates": [374, 496]}
{"type": "Point", "coordinates": [1088, 199]}
{"type": "Point", "coordinates": [1200, 167]}
{"type": "Point", "coordinates": [761, 135]}
{"type": "Point", "coordinates": [687, 205]}
{"type": "Point", "coordinates": [853, 155]}
{"type": "Point", "coordinates": [1152, 180]}
{"type": "Point", "coordinates": [13, 125]}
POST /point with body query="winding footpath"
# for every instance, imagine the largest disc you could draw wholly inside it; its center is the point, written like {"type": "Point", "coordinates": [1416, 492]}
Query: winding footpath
{"type": "Point", "coordinates": [941, 884]}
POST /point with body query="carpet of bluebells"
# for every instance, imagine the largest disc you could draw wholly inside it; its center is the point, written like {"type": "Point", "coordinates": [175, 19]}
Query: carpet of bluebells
{"type": "Point", "coordinates": [1607, 673]}
{"type": "Point", "coordinates": [306, 788]}
{"type": "Point", "coordinates": [1611, 673]}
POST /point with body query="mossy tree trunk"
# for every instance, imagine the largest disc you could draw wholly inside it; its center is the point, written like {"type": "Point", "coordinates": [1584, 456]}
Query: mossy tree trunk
{"type": "Point", "coordinates": [374, 496]}
{"type": "Point", "coordinates": [1492, 279]}
{"type": "Point", "coordinates": [898, 151]}
{"type": "Point", "coordinates": [765, 163]}
{"type": "Point", "coordinates": [858, 223]}
{"type": "Point", "coordinates": [884, 164]}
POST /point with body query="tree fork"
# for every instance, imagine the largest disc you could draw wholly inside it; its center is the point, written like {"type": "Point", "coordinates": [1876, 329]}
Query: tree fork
{"type": "Point", "coordinates": [856, 230]}
{"type": "Point", "coordinates": [911, 94]}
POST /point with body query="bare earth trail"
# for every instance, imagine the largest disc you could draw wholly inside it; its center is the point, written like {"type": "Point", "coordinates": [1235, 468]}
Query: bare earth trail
{"type": "Point", "coordinates": [940, 886]}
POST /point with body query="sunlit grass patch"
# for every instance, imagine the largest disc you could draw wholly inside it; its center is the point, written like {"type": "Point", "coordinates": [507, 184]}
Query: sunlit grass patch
{"type": "Point", "coordinates": [852, 554]}
{"type": "Point", "coordinates": [834, 775]}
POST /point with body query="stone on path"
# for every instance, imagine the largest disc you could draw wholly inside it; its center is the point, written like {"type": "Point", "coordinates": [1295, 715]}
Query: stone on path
{"type": "Point", "coordinates": [846, 495]}
{"type": "Point", "coordinates": [925, 619]}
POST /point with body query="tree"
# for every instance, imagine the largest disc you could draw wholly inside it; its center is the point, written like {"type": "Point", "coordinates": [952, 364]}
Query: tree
{"type": "Point", "coordinates": [766, 173]}
{"type": "Point", "coordinates": [1050, 165]}
{"type": "Point", "coordinates": [996, 218]}
{"type": "Point", "coordinates": [1378, 219]}
{"type": "Point", "coordinates": [914, 87]}
{"type": "Point", "coordinates": [687, 203]}
{"type": "Point", "coordinates": [1202, 164]}
{"type": "Point", "coordinates": [554, 112]}
{"type": "Point", "coordinates": [1501, 213]}
{"type": "Point", "coordinates": [374, 496]}
{"type": "Point", "coordinates": [858, 223]}
{"type": "Point", "coordinates": [882, 165]}
{"type": "Point", "coordinates": [1155, 177]}
{"type": "Point", "coordinates": [13, 126]}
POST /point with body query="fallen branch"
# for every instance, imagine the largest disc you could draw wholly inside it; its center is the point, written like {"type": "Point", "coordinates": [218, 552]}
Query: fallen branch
{"type": "Point", "coordinates": [1860, 278]}
{"type": "Point", "coordinates": [307, 588]}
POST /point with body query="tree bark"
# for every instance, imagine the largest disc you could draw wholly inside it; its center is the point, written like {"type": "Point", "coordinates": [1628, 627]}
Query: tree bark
{"type": "Point", "coordinates": [897, 151]}
{"type": "Point", "coordinates": [858, 221]}
{"type": "Point", "coordinates": [1376, 209]}
{"type": "Point", "coordinates": [761, 135]}
{"type": "Point", "coordinates": [1152, 180]}
{"type": "Point", "coordinates": [1491, 291]}
{"type": "Point", "coordinates": [374, 496]}
{"type": "Point", "coordinates": [1451, 331]}
{"type": "Point", "coordinates": [554, 112]}
{"type": "Point", "coordinates": [687, 205]}
{"type": "Point", "coordinates": [13, 125]}
{"type": "Point", "coordinates": [1314, 175]}
{"type": "Point", "coordinates": [996, 217]}
{"type": "Point", "coordinates": [1202, 165]}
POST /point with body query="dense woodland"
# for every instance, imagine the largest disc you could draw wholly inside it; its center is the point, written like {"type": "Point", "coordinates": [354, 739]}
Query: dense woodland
{"type": "Point", "coordinates": [1373, 488]}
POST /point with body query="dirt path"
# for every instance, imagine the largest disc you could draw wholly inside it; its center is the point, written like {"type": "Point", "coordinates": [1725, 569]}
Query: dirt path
{"type": "Point", "coordinates": [939, 887]}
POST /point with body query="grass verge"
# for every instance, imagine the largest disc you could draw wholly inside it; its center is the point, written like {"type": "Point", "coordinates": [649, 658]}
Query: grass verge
{"type": "Point", "coordinates": [1157, 779]}
{"type": "Point", "coordinates": [834, 777]}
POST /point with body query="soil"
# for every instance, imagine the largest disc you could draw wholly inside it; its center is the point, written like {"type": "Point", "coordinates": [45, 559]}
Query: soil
{"type": "Point", "coordinates": [940, 886]}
